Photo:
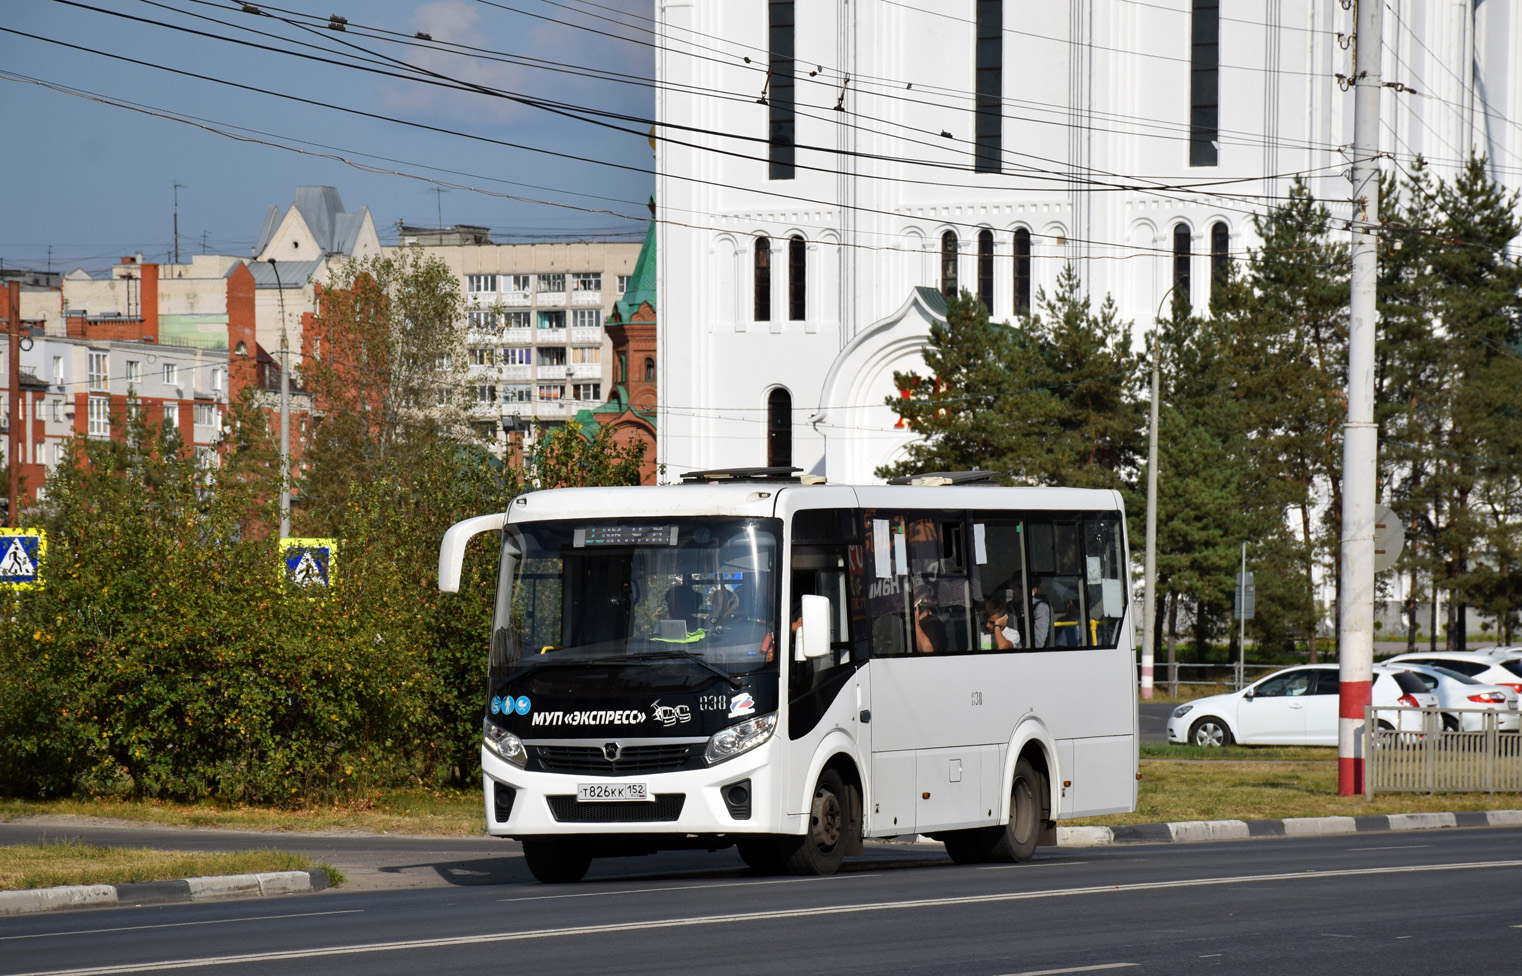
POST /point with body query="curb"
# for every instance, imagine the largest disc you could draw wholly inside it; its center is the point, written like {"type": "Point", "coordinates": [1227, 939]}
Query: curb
{"type": "Point", "coordinates": [163, 892]}
{"type": "Point", "coordinates": [1196, 831]}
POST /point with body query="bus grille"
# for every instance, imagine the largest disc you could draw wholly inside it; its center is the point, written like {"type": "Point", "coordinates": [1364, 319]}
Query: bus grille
{"type": "Point", "coordinates": [666, 808]}
{"type": "Point", "coordinates": [590, 759]}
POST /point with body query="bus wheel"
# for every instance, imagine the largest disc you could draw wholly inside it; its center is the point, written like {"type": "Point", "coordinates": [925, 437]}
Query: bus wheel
{"type": "Point", "coordinates": [1016, 840]}
{"type": "Point", "coordinates": [762, 855]}
{"type": "Point", "coordinates": [823, 847]}
{"type": "Point", "coordinates": [556, 861]}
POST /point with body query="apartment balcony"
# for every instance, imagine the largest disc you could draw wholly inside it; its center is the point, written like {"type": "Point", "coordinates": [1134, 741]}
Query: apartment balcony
{"type": "Point", "coordinates": [583, 371]}
{"type": "Point", "coordinates": [521, 337]}
{"type": "Point", "coordinates": [550, 336]}
{"type": "Point", "coordinates": [517, 372]}
{"type": "Point", "coordinates": [588, 337]}
{"type": "Point", "coordinates": [516, 299]}
{"type": "Point", "coordinates": [551, 373]}
{"type": "Point", "coordinates": [551, 408]}
{"type": "Point", "coordinates": [586, 298]}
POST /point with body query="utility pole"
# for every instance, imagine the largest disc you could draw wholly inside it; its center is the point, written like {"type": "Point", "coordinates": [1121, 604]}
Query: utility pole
{"type": "Point", "coordinates": [177, 222]}
{"type": "Point", "coordinates": [1355, 625]}
{"type": "Point", "coordinates": [13, 368]}
{"type": "Point", "coordinates": [285, 413]}
{"type": "Point", "coordinates": [1149, 570]}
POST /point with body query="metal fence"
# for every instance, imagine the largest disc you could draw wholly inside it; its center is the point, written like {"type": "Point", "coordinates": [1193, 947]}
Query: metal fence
{"type": "Point", "coordinates": [1409, 750]}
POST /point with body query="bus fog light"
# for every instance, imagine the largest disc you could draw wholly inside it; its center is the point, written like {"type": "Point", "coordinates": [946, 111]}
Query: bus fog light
{"type": "Point", "coordinates": [504, 744]}
{"type": "Point", "coordinates": [743, 737]}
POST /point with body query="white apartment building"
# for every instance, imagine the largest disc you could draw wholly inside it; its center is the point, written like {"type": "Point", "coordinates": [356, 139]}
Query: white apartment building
{"type": "Point", "coordinates": [535, 343]}
{"type": "Point", "coordinates": [831, 168]}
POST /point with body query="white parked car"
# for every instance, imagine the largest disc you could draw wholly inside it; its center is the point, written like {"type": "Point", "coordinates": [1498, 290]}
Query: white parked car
{"type": "Point", "coordinates": [1296, 706]}
{"type": "Point", "coordinates": [1458, 691]}
{"type": "Point", "coordinates": [1483, 666]}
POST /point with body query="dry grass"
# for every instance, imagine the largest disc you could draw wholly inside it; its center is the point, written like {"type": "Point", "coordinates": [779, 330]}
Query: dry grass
{"type": "Point", "coordinates": [439, 813]}
{"type": "Point", "coordinates": [73, 863]}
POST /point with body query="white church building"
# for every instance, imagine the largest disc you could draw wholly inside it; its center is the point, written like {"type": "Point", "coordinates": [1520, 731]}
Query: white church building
{"type": "Point", "coordinates": [827, 170]}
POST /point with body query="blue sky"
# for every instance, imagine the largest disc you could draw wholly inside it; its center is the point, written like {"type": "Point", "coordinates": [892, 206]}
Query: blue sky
{"type": "Point", "coordinates": [95, 181]}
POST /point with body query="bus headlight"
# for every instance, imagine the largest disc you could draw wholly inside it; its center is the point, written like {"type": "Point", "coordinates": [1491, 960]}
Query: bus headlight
{"type": "Point", "coordinates": [743, 737]}
{"type": "Point", "coordinates": [503, 743]}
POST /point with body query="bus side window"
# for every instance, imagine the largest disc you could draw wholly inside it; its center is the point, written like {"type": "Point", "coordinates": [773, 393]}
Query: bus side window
{"type": "Point", "coordinates": [1057, 598]}
{"type": "Point", "coordinates": [1104, 578]}
{"type": "Point", "coordinates": [887, 587]}
{"type": "Point", "coordinates": [999, 574]}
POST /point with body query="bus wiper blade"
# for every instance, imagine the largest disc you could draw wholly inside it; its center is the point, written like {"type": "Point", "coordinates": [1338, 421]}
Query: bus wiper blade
{"type": "Point", "coordinates": [734, 682]}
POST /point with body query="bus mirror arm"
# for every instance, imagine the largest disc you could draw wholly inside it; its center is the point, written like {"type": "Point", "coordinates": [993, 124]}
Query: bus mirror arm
{"type": "Point", "coordinates": [452, 549]}
{"type": "Point", "coordinates": [815, 632]}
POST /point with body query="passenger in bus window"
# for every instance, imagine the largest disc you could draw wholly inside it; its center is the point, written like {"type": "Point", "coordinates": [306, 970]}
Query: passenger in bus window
{"type": "Point", "coordinates": [996, 621]}
{"type": "Point", "coordinates": [1041, 619]}
{"type": "Point", "coordinates": [929, 633]}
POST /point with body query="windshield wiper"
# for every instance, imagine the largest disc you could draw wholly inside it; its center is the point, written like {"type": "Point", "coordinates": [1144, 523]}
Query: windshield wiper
{"type": "Point", "coordinates": [669, 652]}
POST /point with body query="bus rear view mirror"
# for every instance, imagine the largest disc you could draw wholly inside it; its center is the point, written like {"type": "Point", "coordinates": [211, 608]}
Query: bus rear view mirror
{"type": "Point", "coordinates": [452, 549]}
{"type": "Point", "coordinates": [814, 635]}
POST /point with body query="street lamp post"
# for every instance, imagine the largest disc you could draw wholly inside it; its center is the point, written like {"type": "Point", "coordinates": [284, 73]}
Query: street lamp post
{"type": "Point", "coordinates": [285, 412]}
{"type": "Point", "coordinates": [1149, 567]}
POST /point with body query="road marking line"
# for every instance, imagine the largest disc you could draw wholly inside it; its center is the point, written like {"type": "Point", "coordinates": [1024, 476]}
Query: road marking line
{"type": "Point", "coordinates": [1076, 969]}
{"type": "Point", "coordinates": [766, 916]}
{"type": "Point", "coordinates": [175, 925]}
{"type": "Point", "coordinates": [1026, 866]}
{"type": "Point", "coordinates": [1402, 847]}
{"type": "Point", "coordinates": [646, 891]}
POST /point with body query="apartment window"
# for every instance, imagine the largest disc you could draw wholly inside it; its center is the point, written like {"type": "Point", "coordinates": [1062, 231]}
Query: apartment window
{"type": "Point", "coordinates": [552, 391]}
{"type": "Point", "coordinates": [986, 264]}
{"type": "Point", "coordinates": [623, 284]}
{"type": "Point", "coordinates": [1022, 271]}
{"type": "Point", "coordinates": [481, 321]}
{"type": "Point", "coordinates": [482, 356]}
{"type": "Point", "coordinates": [1204, 82]}
{"type": "Point", "coordinates": [316, 347]}
{"type": "Point", "coordinates": [486, 393]}
{"type": "Point", "coordinates": [552, 355]}
{"type": "Point", "coordinates": [779, 429]}
{"type": "Point", "coordinates": [517, 283]}
{"type": "Point", "coordinates": [949, 264]}
{"type": "Point", "coordinates": [779, 84]}
{"type": "Point", "coordinates": [443, 398]}
{"type": "Point", "coordinates": [586, 318]}
{"type": "Point", "coordinates": [98, 376]}
{"type": "Point", "coordinates": [990, 82]}
{"type": "Point", "coordinates": [515, 320]}
{"type": "Point", "coordinates": [58, 371]}
{"type": "Point", "coordinates": [586, 281]}
{"type": "Point", "coordinates": [206, 414]}
{"type": "Point", "coordinates": [587, 391]}
{"type": "Point", "coordinates": [763, 279]}
{"type": "Point", "coordinates": [586, 354]}
{"type": "Point", "coordinates": [171, 374]}
{"type": "Point", "coordinates": [552, 284]}
{"type": "Point", "coordinates": [517, 393]}
{"type": "Point", "coordinates": [134, 372]}
{"type": "Point", "coordinates": [1220, 256]}
{"type": "Point", "coordinates": [551, 320]}
{"type": "Point", "coordinates": [55, 411]}
{"type": "Point", "coordinates": [520, 356]}
{"type": "Point", "coordinates": [649, 370]}
{"type": "Point", "coordinates": [218, 376]}
{"type": "Point", "coordinates": [797, 278]}
{"type": "Point", "coordinates": [480, 283]}
{"type": "Point", "coordinates": [1181, 241]}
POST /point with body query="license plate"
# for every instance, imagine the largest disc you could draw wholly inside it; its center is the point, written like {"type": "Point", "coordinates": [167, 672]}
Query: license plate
{"type": "Point", "coordinates": [612, 793]}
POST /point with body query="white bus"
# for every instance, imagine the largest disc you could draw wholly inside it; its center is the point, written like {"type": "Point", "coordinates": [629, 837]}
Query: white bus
{"type": "Point", "coordinates": [747, 660]}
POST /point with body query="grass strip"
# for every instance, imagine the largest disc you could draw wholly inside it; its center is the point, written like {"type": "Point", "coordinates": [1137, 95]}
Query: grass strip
{"type": "Point", "coordinates": [69, 862]}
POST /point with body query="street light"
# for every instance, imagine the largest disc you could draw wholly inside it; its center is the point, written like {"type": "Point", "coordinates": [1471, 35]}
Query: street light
{"type": "Point", "coordinates": [1149, 568]}
{"type": "Point", "coordinates": [285, 413]}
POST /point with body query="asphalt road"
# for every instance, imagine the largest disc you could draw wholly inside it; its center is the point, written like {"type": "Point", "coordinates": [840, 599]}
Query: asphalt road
{"type": "Point", "coordinates": [1152, 720]}
{"type": "Point", "coordinates": [1413, 903]}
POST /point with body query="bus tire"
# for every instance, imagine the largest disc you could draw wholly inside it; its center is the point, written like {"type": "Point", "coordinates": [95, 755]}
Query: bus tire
{"type": "Point", "coordinates": [1016, 840]}
{"type": "Point", "coordinates": [823, 846]}
{"type": "Point", "coordinates": [762, 855]}
{"type": "Point", "coordinates": [556, 861]}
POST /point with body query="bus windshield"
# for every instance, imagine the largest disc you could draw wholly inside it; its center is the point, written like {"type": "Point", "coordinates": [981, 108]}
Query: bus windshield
{"type": "Point", "coordinates": [669, 602]}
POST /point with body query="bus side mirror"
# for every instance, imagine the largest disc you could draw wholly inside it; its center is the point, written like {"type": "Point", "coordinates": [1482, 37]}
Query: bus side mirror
{"type": "Point", "coordinates": [814, 635]}
{"type": "Point", "coordinates": [452, 549]}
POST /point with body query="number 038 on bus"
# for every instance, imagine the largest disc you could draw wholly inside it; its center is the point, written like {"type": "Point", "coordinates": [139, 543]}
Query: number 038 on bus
{"type": "Point", "coordinates": [742, 660]}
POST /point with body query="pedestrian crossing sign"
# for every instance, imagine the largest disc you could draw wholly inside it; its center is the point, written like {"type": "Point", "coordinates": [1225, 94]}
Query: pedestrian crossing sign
{"type": "Point", "coordinates": [21, 555]}
{"type": "Point", "coordinates": [308, 562]}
